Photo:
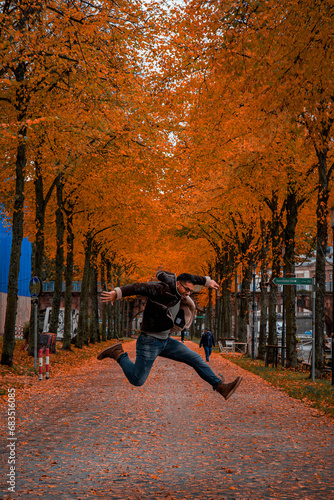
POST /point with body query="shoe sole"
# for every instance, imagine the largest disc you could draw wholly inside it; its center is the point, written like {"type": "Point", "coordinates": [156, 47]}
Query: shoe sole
{"type": "Point", "coordinates": [234, 388]}
{"type": "Point", "coordinates": [108, 350]}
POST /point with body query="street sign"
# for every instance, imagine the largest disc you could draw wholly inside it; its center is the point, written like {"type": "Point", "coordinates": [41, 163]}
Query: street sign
{"type": "Point", "coordinates": [35, 287]}
{"type": "Point", "coordinates": [292, 281]}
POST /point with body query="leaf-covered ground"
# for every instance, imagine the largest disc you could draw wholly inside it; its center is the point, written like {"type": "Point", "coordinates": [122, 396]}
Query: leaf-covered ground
{"type": "Point", "coordinates": [296, 383]}
{"type": "Point", "coordinates": [90, 434]}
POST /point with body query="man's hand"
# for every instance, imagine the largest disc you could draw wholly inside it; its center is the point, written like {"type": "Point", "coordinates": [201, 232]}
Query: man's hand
{"type": "Point", "coordinates": [214, 285]}
{"type": "Point", "coordinates": [108, 297]}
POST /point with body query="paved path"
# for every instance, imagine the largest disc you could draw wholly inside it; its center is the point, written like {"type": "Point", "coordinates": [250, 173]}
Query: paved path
{"type": "Point", "coordinates": [95, 436]}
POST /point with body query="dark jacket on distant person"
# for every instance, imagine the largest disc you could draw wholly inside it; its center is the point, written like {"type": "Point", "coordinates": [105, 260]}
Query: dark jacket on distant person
{"type": "Point", "coordinates": [207, 339]}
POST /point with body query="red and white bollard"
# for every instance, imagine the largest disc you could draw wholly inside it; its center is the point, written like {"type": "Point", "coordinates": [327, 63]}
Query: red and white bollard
{"type": "Point", "coordinates": [47, 364]}
{"type": "Point", "coordinates": [18, 332]}
{"type": "Point", "coordinates": [40, 364]}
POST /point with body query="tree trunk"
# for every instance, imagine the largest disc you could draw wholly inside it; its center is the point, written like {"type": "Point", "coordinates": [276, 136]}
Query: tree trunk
{"type": "Point", "coordinates": [264, 314]}
{"type": "Point", "coordinates": [276, 270]}
{"type": "Point", "coordinates": [58, 283]}
{"type": "Point", "coordinates": [217, 330]}
{"type": "Point", "coordinates": [15, 254]}
{"type": "Point", "coordinates": [68, 280]}
{"type": "Point", "coordinates": [226, 272]}
{"type": "Point", "coordinates": [290, 291]}
{"type": "Point", "coordinates": [117, 311]}
{"type": "Point", "coordinates": [104, 306]}
{"type": "Point", "coordinates": [244, 306]}
{"type": "Point", "coordinates": [226, 323]}
{"type": "Point", "coordinates": [235, 303]}
{"type": "Point", "coordinates": [128, 322]}
{"type": "Point", "coordinates": [39, 245]}
{"type": "Point", "coordinates": [322, 213]}
{"type": "Point", "coordinates": [123, 322]}
{"type": "Point", "coordinates": [82, 337]}
{"type": "Point", "coordinates": [116, 317]}
{"type": "Point", "coordinates": [38, 257]}
{"type": "Point", "coordinates": [264, 292]}
{"type": "Point", "coordinates": [209, 312]}
{"type": "Point", "coordinates": [272, 317]}
{"type": "Point", "coordinates": [192, 330]}
{"type": "Point", "coordinates": [110, 308]}
{"type": "Point", "coordinates": [22, 100]}
{"type": "Point", "coordinates": [94, 314]}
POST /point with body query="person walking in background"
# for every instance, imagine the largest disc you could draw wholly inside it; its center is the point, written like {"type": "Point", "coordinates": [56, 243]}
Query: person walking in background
{"type": "Point", "coordinates": [168, 309]}
{"type": "Point", "coordinates": [182, 335]}
{"type": "Point", "coordinates": [207, 341]}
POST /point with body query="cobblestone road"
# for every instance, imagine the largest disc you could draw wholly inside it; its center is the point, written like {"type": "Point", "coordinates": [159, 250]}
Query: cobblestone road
{"type": "Point", "coordinates": [96, 436]}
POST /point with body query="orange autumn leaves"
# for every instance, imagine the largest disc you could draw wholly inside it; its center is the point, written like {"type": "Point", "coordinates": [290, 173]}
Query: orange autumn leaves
{"type": "Point", "coordinates": [159, 120]}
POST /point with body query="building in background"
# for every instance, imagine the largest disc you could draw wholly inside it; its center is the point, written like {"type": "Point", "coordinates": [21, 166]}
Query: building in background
{"type": "Point", "coordinates": [24, 301]}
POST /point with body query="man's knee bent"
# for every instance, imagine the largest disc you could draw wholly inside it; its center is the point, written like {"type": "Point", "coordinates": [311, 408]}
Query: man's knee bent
{"type": "Point", "coordinates": [138, 381]}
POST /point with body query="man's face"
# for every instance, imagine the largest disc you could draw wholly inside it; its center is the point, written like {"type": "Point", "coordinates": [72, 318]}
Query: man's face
{"type": "Point", "coordinates": [185, 288]}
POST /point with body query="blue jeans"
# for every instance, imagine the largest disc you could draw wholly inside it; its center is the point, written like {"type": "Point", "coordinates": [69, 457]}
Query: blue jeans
{"type": "Point", "coordinates": [208, 351]}
{"type": "Point", "coordinates": [147, 350]}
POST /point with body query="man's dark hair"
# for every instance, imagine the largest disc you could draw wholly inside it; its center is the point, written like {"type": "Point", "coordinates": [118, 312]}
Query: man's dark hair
{"type": "Point", "coordinates": [186, 277]}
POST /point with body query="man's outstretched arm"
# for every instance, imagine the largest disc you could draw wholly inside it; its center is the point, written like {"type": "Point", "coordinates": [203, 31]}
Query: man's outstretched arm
{"type": "Point", "coordinates": [145, 289]}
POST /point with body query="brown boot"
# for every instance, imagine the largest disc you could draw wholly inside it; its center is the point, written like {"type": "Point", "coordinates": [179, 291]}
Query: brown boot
{"type": "Point", "coordinates": [114, 351]}
{"type": "Point", "coordinates": [226, 390]}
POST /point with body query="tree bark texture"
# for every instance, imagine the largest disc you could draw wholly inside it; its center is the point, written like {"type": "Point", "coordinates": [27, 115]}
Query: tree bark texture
{"type": "Point", "coordinates": [110, 308]}
{"type": "Point", "coordinates": [276, 269]}
{"type": "Point", "coordinates": [264, 315]}
{"type": "Point", "coordinates": [82, 337]}
{"type": "Point", "coordinates": [118, 310]}
{"type": "Point", "coordinates": [244, 306]}
{"type": "Point", "coordinates": [21, 106]}
{"type": "Point", "coordinates": [209, 312]}
{"type": "Point", "coordinates": [94, 313]}
{"type": "Point", "coordinates": [68, 279]}
{"type": "Point", "coordinates": [290, 290]}
{"type": "Point", "coordinates": [226, 314]}
{"type": "Point", "coordinates": [39, 244]}
{"type": "Point", "coordinates": [58, 283]}
{"type": "Point", "coordinates": [264, 291]}
{"type": "Point", "coordinates": [104, 306]}
{"type": "Point", "coordinates": [123, 317]}
{"type": "Point", "coordinates": [15, 254]}
{"type": "Point", "coordinates": [38, 258]}
{"type": "Point", "coordinates": [322, 213]}
{"type": "Point", "coordinates": [226, 268]}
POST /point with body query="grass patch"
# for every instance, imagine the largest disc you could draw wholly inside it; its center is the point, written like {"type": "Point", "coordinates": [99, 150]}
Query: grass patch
{"type": "Point", "coordinates": [297, 384]}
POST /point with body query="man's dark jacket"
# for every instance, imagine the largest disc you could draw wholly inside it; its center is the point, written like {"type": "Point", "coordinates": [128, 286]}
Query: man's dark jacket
{"type": "Point", "coordinates": [161, 296]}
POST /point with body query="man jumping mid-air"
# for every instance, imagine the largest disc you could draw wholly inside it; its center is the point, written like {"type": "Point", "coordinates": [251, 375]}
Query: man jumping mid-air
{"type": "Point", "coordinates": [169, 309]}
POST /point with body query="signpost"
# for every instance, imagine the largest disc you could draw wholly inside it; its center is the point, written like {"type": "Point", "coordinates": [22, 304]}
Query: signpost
{"type": "Point", "coordinates": [35, 288]}
{"type": "Point", "coordinates": [292, 281]}
{"type": "Point", "coordinates": [303, 281]}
